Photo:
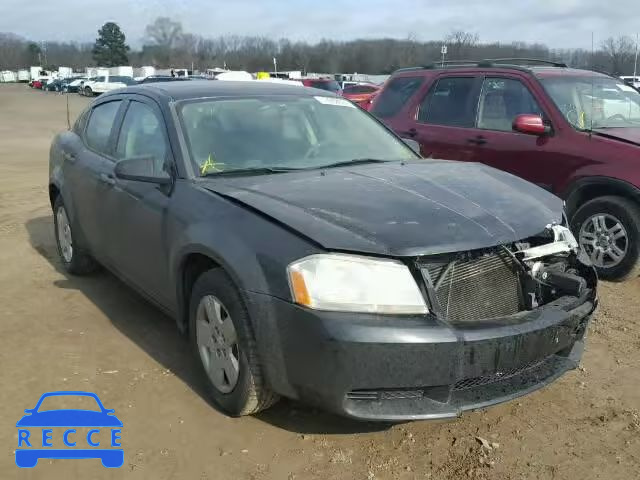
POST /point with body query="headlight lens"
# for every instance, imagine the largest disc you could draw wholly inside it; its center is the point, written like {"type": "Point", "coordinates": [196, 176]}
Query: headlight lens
{"type": "Point", "coordinates": [351, 283]}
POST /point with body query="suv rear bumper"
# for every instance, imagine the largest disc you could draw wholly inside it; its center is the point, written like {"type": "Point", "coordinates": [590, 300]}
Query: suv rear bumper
{"type": "Point", "coordinates": [404, 368]}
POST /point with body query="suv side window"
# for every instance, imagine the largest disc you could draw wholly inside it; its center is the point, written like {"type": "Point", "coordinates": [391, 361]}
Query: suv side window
{"type": "Point", "coordinates": [100, 124]}
{"type": "Point", "coordinates": [501, 100]}
{"type": "Point", "coordinates": [141, 136]}
{"type": "Point", "coordinates": [449, 103]}
{"type": "Point", "coordinates": [395, 95]}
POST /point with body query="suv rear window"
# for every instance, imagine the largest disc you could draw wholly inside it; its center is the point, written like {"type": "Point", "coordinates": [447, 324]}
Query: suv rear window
{"type": "Point", "coordinates": [393, 97]}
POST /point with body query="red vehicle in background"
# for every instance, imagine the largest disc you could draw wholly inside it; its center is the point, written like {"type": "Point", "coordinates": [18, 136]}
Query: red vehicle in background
{"type": "Point", "coordinates": [573, 132]}
{"type": "Point", "coordinates": [361, 94]}
{"type": "Point", "coordinates": [36, 84]}
{"type": "Point", "coordinates": [323, 84]}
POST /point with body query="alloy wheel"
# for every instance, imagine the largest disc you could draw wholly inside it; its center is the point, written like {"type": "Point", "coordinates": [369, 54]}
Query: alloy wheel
{"type": "Point", "coordinates": [604, 239]}
{"type": "Point", "coordinates": [64, 234]}
{"type": "Point", "coordinates": [217, 343]}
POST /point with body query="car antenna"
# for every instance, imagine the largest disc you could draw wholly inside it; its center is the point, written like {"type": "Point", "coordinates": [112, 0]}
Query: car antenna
{"type": "Point", "coordinates": [592, 88]}
{"type": "Point", "coordinates": [68, 119]}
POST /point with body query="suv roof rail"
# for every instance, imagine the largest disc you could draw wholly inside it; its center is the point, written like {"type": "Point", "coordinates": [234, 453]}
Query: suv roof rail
{"type": "Point", "coordinates": [525, 61]}
{"type": "Point", "coordinates": [519, 63]}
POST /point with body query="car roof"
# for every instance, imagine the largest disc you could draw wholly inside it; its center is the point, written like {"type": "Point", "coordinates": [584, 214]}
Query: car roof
{"type": "Point", "coordinates": [219, 88]}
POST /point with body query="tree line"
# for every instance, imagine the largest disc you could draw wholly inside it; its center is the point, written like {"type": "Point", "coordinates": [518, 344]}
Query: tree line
{"type": "Point", "coordinates": [167, 45]}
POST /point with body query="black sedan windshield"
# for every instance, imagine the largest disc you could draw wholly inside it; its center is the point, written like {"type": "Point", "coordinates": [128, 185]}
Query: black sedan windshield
{"type": "Point", "coordinates": [286, 132]}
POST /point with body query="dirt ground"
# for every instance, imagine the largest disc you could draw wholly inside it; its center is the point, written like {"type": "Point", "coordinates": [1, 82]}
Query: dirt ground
{"type": "Point", "coordinates": [94, 334]}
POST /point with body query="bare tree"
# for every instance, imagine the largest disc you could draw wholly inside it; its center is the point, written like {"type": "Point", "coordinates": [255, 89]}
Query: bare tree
{"type": "Point", "coordinates": [461, 43]}
{"type": "Point", "coordinates": [619, 52]}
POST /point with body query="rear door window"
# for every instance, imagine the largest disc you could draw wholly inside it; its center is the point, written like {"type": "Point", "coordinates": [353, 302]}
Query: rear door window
{"type": "Point", "coordinates": [99, 126]}
{"type": "Point", "coordinates": [395, 95]}
{"type": "Point", "coordinates": [451, 102]}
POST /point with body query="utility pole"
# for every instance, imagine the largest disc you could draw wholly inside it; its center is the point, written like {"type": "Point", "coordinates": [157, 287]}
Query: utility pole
{"type": "Point", "coordinates": [275, 66]}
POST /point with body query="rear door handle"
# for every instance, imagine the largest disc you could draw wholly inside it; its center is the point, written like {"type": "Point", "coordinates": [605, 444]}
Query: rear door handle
{"type": "Point", "coordinates": [479, 140]}
{"type": "Point", "coordinates": [412, 132]}
{"type": "Point", "coordinates": [107, 178]}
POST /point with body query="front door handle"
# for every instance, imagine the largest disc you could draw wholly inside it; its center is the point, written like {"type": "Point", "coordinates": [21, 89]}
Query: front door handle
{"type": "Point", "coordinates": [479, 140]}
{"type": "Point", "coordinates": [107, 178]}
{"type": "Point", "coordinates": [412, 132]}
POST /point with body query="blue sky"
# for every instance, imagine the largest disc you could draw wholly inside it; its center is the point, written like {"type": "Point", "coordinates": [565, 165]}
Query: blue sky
{"type": "Point", "coordinates": [557, 23]}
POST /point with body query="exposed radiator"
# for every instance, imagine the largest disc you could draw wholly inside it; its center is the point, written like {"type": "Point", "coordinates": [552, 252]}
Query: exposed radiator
{"type": "Point", "coordinates": [480, 288]}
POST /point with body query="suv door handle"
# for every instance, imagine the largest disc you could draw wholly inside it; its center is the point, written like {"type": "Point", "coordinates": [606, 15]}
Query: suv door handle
{"type": "Point", "coordinates": [69, 157]}
{"type": "Point", "coordinates": [412, 132]}
{"type": "Point", "coordinates": [479, 140]}
{"type": "Point", "coordinates": [107, 178]}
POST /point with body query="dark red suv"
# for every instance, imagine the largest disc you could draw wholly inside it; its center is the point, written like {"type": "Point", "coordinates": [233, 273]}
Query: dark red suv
{"type": "Point", "coordinates": [573, 132]}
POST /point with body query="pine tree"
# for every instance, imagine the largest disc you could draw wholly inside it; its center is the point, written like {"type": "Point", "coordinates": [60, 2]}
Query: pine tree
{"type": "Point", "coordinates": [110, 49]}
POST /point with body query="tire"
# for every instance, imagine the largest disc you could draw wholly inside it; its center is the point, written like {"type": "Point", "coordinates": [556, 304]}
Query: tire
{"type": "Point", "coordinates": [627, 214]}
{"type": "Point", "coordinates": [88, 92]}
{"type": "Point", "coordinates": [250, 393]}
{"type": "Point", "coordinates": [77, 261]}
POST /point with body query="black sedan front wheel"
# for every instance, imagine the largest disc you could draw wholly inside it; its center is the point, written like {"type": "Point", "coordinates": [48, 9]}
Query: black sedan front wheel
{"type": "Point", "coordinates": [224, 345]}
{"type": "Point", "coordinates": [608, 230]}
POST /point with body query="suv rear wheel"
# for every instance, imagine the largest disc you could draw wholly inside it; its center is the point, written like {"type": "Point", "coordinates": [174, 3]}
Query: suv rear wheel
{"type": "Point", "coordinates": [223, 342]}
{"type": "Point", "coordinates": [608, 229]}
{"type": "Point", "coordinates": [88, 92]}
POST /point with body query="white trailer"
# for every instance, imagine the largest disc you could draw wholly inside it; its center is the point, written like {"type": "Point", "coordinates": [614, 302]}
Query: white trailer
{"type": "Point", "coordinates": [121, 71]}
{"type": "Point", "coordinates": [36, 72]}
{"type": "Point", "coordinates": [8, 76]}
{"type": "Point", "coordinates": [65, 72]}
{"type": "Point", "coordinates": [24, 75]}
{"type": "Point", "coordinates": [97, 72]}
{"type": "Point", "coordinates": [143, 72]}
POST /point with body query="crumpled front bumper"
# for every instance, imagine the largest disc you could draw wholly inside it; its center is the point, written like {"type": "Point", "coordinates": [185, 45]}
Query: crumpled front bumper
{"type": "Point", "coordinates": [381, 367]}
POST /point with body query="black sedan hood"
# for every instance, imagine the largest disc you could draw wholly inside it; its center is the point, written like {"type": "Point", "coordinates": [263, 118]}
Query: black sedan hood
{"type": "Point", "coordinates": [417, 208]}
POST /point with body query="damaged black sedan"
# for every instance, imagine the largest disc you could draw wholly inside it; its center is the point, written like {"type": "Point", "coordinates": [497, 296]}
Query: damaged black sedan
{"type": "Point", "coordinates": [309, 253]}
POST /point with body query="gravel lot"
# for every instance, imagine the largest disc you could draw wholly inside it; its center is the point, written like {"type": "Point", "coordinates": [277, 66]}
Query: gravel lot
{"type": "Point", "coordinates": [94, 334]}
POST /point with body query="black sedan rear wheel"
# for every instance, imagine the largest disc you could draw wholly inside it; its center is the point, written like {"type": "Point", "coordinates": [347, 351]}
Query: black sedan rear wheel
{"type": "Point", "coordinates": [73, 256]}
{"type": "Point", "coordinates": [223, 343]}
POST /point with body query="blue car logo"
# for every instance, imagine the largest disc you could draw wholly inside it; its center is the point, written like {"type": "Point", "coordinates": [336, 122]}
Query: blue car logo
{"type": "Point", "coordinates": [34, 444]}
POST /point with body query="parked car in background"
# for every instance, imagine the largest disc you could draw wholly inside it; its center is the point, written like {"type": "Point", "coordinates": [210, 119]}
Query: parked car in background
{"type": "Point", "coordinates": [36, 84]}
{"type": "Point", "coordinates": [57, 85]}
{"type": "Point", "coordinates": [322, 84]}
{"type": "Point", "coordinates": [573, 132]}
{"type": "Point", "coordinates": [361, 94]}
{"type": "Point", "coordinates": [108, 83]}
{"type": "Point", "coordinates": [74, 84]}
{"type": "Point", "coordinates": [631, 80]}
{"type": "Point", "coordinates": [243, 210]}
{"type": "Point", "coordinates": [85, 86]}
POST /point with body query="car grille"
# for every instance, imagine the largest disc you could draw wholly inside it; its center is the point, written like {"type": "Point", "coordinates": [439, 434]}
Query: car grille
{"type": "Point", "coordinates": [480, 288]}
{"type": "Point", "coordinates": [530, 373]}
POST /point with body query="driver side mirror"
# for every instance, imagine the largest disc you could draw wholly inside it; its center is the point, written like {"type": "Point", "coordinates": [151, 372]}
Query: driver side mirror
{"type": "Point", "coordinates": [141, 169]}
{"type": "Point", "coordinates": [531, 124]}
{"type": "Point", "coordinates": [413, 145]}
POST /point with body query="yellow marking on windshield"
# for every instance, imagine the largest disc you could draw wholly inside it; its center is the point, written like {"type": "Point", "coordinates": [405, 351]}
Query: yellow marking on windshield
{"type": "Point", "coordinates": [210, 166]}
{"type": "Point", "coordinates": [581, 119]}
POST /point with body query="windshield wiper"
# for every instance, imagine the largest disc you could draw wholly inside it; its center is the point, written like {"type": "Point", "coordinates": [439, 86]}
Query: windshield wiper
{"type": "Point", "coordinates": [250, 171]}
{"type": "Point", "coordinates": [355, 161]}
